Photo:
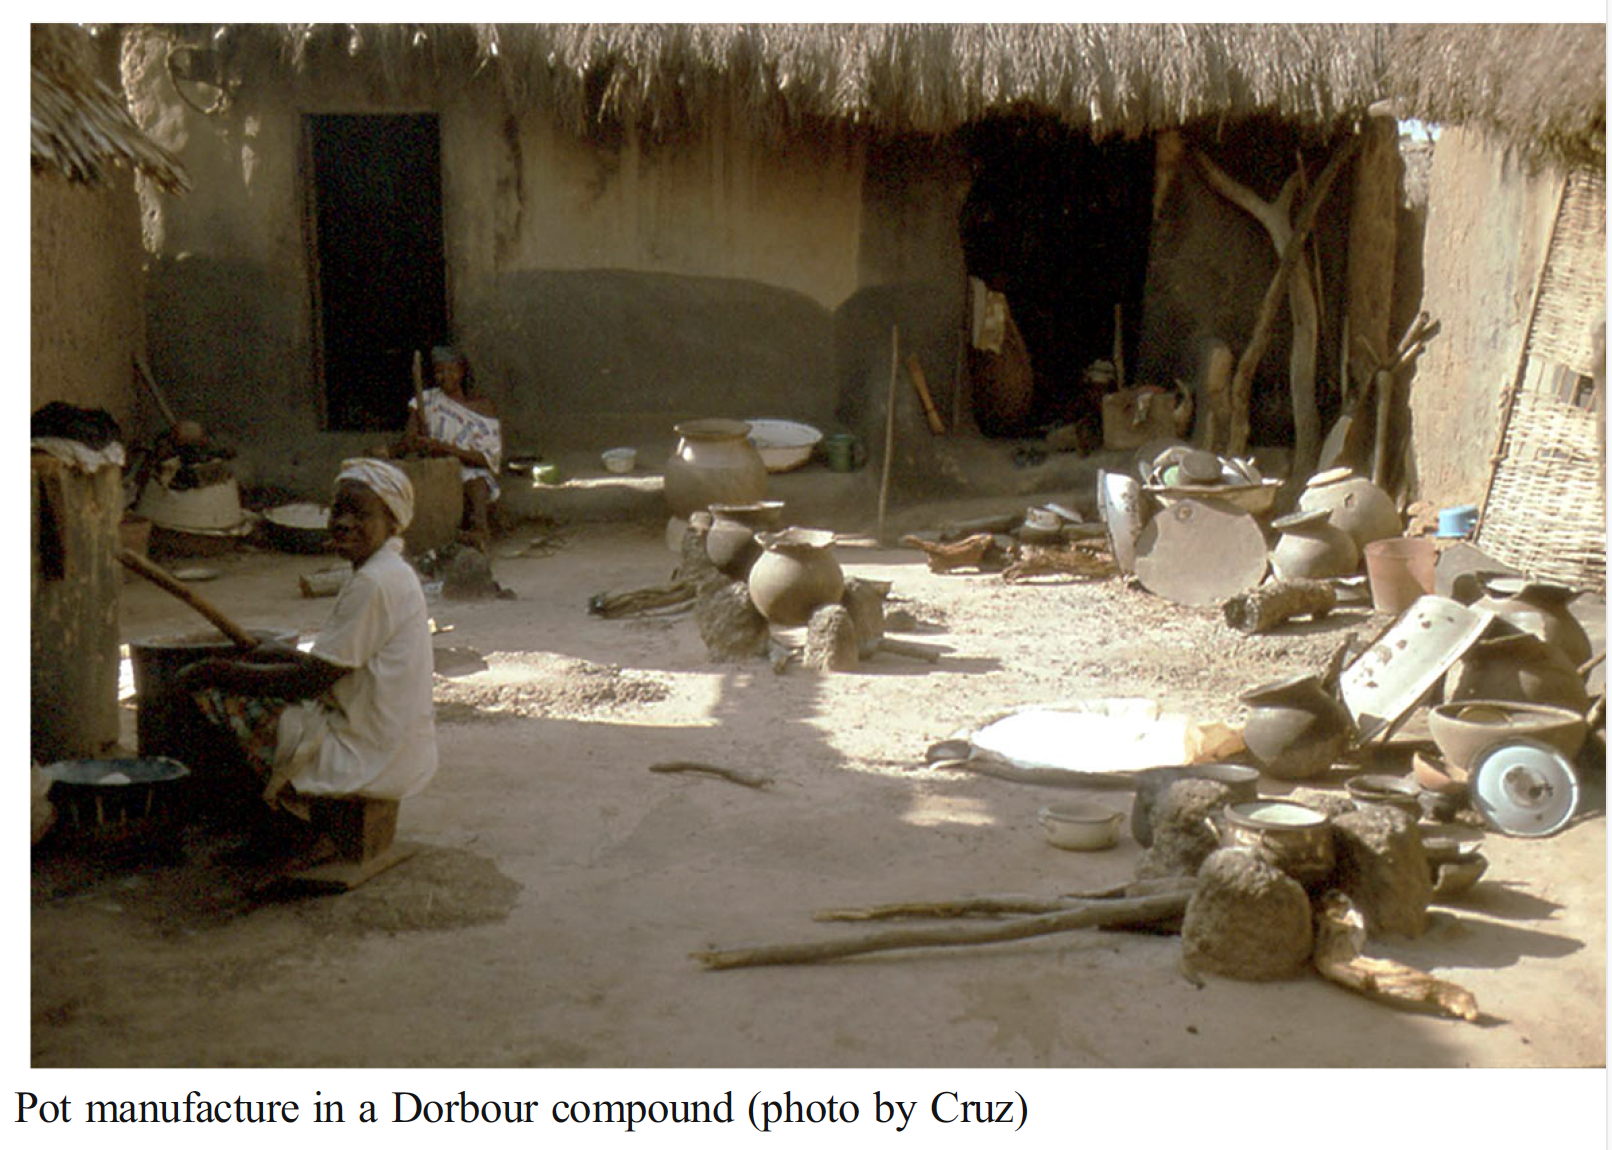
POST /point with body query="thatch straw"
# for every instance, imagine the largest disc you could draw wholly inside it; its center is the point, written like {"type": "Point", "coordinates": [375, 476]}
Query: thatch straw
{"type": "Point", "coordinates": [80, 127]}
{"type": "Point", "coordinates": [1539, 87]}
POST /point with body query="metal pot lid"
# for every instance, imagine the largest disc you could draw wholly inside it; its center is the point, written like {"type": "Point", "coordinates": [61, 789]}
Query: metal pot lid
{"type": "Point", "coordinates": [1524, 787]}
{"type": "Point", "coordinates": [114, 772]}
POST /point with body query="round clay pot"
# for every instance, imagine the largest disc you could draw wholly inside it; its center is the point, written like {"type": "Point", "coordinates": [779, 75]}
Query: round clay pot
{"type": "Point", "coordinates": [731, 541]}
{"type": "Point", "coordinates": [1295, 729]}
{"type": "Point", "coordinates": [795, 574]}
{"type": "Point", "coordinates": [1515, 665]}
{"type": "Point", "coordinates": [1540, 609]}
{"type": "Point", "coordinates": [714, 462]}
{"type": "Point", "coordinates": [1313, 547]}
{"type": "Point", "coordinates": [1354, 503]}
{"type": "Point", "coordinates": [1463, 731]}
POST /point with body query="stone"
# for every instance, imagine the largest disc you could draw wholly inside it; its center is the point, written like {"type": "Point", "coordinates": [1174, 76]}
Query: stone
{"type": "Point", "coordinates": [864, 599]}
{"type": "Point", "coordinates": [1246, 920]}
{"type": "Point", "coordinates": [1182, 836]}
{"type": "Point", "coordinates": [468, 575]}
{"type": "Point", "coordinates": [831, 640]}
{"type": "Point", "coordinates": [730, 626]}
{"type": "Point", "coordinates": [1383, 869]}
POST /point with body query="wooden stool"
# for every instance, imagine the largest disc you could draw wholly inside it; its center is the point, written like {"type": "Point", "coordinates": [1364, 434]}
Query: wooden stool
{"type": "Point", "coordinates": [363, 831]}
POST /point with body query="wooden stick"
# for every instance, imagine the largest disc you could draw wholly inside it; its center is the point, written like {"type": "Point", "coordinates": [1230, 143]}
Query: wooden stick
{"type": "Point", "coordinates": [910, 650]}
{"type": "Point", "coordinates": [144, 372]}
{"type": "Point", "coordinates": [1119, 349]}
{"type": "Point", "coordinates": [743, 778]}
{"type": "Point", "coordinates": [1259, 339]}
{"type": "Point", "coordinates": [889, 427]}
{"type": "Point", "coordinates": [916, 371]}
{"type": "Point", "coordinates": [140, 565]}
{"type": "Point", "coordinates": [1006, 903]}
{"type": "Point", "coordinates": [1339, 930]}
{"type": "Point", "coordinates": [1116, 912]}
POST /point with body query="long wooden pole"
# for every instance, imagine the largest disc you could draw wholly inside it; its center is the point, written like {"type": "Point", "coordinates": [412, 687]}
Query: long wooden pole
{"type": "Point", "coordinates": [140, 565]}
{"type": "Point", "coordinates": [889, 427]}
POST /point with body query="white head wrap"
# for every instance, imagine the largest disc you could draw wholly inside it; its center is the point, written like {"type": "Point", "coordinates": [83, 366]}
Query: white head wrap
{"type": "Point", "coordinates": [387, 481]}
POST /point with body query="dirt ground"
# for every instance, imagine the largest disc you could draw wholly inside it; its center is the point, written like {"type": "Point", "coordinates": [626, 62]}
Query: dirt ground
{"type": "Point", "coordinates": [560, 887]}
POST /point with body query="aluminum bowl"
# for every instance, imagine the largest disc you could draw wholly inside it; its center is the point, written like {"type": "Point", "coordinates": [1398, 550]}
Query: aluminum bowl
{"type": "Point", "coordinates": [1077, 826]}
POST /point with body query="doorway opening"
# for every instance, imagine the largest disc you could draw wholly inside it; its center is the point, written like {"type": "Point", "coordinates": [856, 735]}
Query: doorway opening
{"type": "Point", "coordinates": [379, 279]}
{"type": "Point", "coordinates": [1058, 224]}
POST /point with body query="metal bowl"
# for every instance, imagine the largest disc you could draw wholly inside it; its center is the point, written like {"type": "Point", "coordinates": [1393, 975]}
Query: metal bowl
{"type": "Point", "coordinates": [300, 527]}
{"type": "Point", "coordinates": [1080, 826]}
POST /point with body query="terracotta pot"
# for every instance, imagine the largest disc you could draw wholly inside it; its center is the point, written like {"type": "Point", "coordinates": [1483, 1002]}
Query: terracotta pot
{"type": "Point", "coordinates": [796, 573]}
{"type": "Point", "coordinates": [1313, 547]}
{"type": "Point", "coordinates": [1354, 503]}
{"type": "Point", "coordinates": [731, 540]}
{"type": "Point", "coordinates": [1515, 665]}
{"type": "Point", "coordinates": [1295, 729]}
{"type": "Point", "coordinates": [714, 462]}
{"type": "Point", "coordinates": [1541, 610]}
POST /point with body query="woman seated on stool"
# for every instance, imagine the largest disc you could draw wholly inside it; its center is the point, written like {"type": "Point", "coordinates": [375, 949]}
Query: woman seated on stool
{"type": "Point", "coordinates": [352, 716]}
{"type": "Point", "coordinates": [465, 426]}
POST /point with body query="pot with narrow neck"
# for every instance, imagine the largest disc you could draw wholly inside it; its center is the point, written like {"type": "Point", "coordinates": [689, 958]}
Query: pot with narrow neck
{"type": "Point", "coordinates": [1313, 547]}
{"type": "Point", "coordinates": [1541, 610]}
{"type": "Point", "coordinates": [1295, 727]}
{"type": "Point", "coordinates": [1354, 503]}
{"type": "Point", "coordinates": [1511, 664]}
{"type": "Point", "coordinates": [714, 462]}
{"type": "Point", "coordinates": [795, 574]}
{"type": "Point", "coordinates": [731, 541]}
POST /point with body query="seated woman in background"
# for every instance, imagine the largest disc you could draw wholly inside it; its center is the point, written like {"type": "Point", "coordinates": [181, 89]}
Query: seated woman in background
{"type": "Point", "coordinates": [353, 715]}
{"type": "Point", "coordinates": [465, 426]}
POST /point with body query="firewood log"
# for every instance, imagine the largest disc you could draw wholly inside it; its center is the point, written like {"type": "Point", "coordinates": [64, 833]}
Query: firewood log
{"type": "Point", "coordinates": [1339, 931]}
{"type": "Point", "coordinates": [1268, 607]}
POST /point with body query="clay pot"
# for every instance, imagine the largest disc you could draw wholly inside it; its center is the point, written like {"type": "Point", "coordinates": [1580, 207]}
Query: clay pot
{"type": "Point", "coordinates": [795, 574]}
{"type": "Point", "coordinates": [1463, 731]}
{"type": "Point", "coordinates": [1294, 837]}
{"type": "Point", "coordinates": [1541, 610]}
{"type": "Point", "coordinates": [1295, 729]}
{"type": "Point", "coordinates": [731, 541]}
{"type": "Point", "coordinates": [1313, 547]}
{"type": "Point", "coordinates": [714, 462]}
{"type": "Point", "coordinates": [1515, 665]}
{"type": "Point", "coordinates": [1354, 503]}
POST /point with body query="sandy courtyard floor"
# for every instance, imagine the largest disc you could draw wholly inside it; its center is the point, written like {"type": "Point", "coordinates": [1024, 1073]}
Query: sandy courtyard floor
{"type": "Point", "coordinates": [549, 917]}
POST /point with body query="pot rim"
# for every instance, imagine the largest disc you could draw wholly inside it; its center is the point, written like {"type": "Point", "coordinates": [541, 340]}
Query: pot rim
{"type": "Point", "coordinates": [712, 429]}
{"type": "Point", "coordinates": [1237, 815]}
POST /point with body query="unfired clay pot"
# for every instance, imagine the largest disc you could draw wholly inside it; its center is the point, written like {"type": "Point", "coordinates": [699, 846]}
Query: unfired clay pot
{"type": "Point", "coordinates": [1356, 504]}
{"type": "Point", "coordinates": [1313, 547]}
{"type": "Point", "coordinates": [1516, 665]}
{"type": "Point", "coordinates": [796, 573]}
{"type": "Point", "coordinates": [1295, 728]}
{"type": "Point", "coordinates": [714, 462]}
{"type": "Point", "coordinates": [1541, 610]}
{"type": "Point", "coordinates": [731, 541]}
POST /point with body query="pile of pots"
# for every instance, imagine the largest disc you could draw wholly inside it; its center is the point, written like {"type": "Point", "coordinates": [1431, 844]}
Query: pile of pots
{"type": "Point", "coordinates": [716, 471]}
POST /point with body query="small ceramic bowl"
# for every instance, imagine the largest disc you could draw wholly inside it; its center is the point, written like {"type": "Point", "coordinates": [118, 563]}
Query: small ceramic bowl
{"type": "Point", "coordinates": [620, 460]}
{"type": "Point", "coordinates": [1438, 776]}
{"type": "Point", "coordinates": [1385, 790]}
{"type": "Point", "coordinates": [1080, 826]}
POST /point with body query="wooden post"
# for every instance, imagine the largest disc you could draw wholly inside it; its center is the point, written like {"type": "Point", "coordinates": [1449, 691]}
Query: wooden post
{"type": "Point", "coordinates": [889, 428]}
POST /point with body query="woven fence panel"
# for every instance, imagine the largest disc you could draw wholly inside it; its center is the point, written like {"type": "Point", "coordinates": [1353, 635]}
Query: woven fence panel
{"type": "Point", "coordinates": [1572, 294]}
{"type": "Point", "coordinates": [1547, 509]}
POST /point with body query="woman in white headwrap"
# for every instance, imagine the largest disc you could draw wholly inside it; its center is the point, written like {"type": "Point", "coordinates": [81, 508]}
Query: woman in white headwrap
{"type": "Point", "coordinates": [352, 715]}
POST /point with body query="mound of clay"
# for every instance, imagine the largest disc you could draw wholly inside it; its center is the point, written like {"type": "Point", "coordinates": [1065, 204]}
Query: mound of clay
{"type": "Point", "coordinates": [1182, 838]}
{"type": "Point", "coordinates": [1383, 869]}
{"type": "Point", "coordinates": [1246, 920]}
{"type": "Point", "coordinates": [730, 626]}
{"type": "Point", "coordinates": [831, 640]}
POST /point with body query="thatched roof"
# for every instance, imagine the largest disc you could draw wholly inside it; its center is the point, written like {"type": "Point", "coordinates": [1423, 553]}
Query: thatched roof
{"type": "Point", "coordinates": [80, 126]}
{"type": "Point", "coordinates": [1110, 79]}
{"type": "Point", "coordinates": [1539, 87]}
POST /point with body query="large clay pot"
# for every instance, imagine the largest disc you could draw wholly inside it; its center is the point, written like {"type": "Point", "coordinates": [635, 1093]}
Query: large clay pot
{"type": "Point", "coordinates": [796, 573]}
{"type": "Point", "coordinates": [714, 462]}
{"type": "Point", "coordinates": [731, 541]}
{"type": "Point", "coordinates": [1516, 665]}
{"type": "Point", "coordinates": [1311, 546]}
{"type": "Point", "coordinates": [1295, 728]}
{"type": "Point", "coordinates": [1356, 504]}
{"type": "Point", "coordinates": [1541, 610]}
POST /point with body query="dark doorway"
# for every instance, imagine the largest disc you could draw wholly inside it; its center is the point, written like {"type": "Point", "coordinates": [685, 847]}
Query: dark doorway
{"type": "Point", "coordinates": [1059, 224]}
{"type": "Point", "coordinates": [379, 291]}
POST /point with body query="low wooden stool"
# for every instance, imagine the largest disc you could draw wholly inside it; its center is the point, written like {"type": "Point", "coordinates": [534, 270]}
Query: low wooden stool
{"type": "Point", "coordinates": [363, 831]}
